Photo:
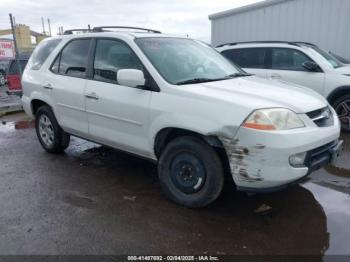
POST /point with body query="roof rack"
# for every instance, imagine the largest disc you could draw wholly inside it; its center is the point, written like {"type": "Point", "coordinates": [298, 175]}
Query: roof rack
{"type": "Point", "coordinates": [295, 43]}
{"type": "Point", "coordinates": [306, 43]}
{"type": "Point", "coordinates": [102, 29]}
{"type": "Point", "coordinates": [71, 31]}
{"type": "Point", "coordinates": [261, 42]}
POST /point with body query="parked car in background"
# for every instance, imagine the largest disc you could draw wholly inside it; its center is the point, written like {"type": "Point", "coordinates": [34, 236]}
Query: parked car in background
{"type": "Point", "coordinates": [296, 62]}
{"type": "Point", "coordinates": [341, 59]}
{"type": "Point", "coordinates": [13, 77]}
{"type": "Point", "coordinates": [178, 102]}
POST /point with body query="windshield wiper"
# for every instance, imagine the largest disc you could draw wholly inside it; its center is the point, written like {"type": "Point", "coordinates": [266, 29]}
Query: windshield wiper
{"type": "Point", "coordinates": [238, 75]}
{"type": "Point", "coordinates": [195, 81]}
{"type": "Point", "coordinates": [204, 80]}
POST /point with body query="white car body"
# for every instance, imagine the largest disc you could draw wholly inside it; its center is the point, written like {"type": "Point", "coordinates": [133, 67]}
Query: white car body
{"type": "Point", "coordinates": [130, 119]}
{"type": "Point", "coordinates": [330, 81]}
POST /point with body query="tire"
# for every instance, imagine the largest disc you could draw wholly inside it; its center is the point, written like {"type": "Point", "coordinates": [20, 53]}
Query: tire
{"type": "Point", "coordinates": [2, 79]}
{"type": "Point", "coordinates": [342, 106]}
{"type": "Point", "coordinates": [51, 136]}
{"type": "Point", "coordinates": [191, 172]}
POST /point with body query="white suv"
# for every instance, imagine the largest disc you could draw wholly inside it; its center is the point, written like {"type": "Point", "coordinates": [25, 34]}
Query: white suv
{"type": "Point", "coordinates": [300, 63]}
{"type": "Point", "coordinates": [180, 103]}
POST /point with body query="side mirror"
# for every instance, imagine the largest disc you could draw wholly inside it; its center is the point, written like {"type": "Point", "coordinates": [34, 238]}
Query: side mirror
{"type": "Point", "coordinates": [311, 66]}
{"type": "Point", "coordinates": [131, 78]}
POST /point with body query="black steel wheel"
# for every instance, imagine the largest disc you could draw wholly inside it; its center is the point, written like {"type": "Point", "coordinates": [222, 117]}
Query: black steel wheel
{"type": "Point", "coordinates": [191, 172]}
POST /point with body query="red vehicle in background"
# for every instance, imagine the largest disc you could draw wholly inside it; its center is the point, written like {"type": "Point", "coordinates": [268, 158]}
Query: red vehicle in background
{"type": "Point", "coordinates": [13, 76]}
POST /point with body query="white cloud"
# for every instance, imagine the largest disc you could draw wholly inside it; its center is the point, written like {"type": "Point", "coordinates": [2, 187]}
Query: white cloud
{"type": "Point", "coordinates": [171, 16]}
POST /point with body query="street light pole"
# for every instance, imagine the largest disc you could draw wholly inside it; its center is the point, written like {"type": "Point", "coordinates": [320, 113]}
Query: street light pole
{"type": "Point", "coordinates": [15, 43]}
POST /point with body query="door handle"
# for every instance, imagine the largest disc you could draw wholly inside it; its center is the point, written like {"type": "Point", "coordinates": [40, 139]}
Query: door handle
{"type": "Point", "coordinates": [276, 76]}
{"type": "Point", "coordinates": [92, 96]}
{"type": "Point", "coordinates": [48, 86]}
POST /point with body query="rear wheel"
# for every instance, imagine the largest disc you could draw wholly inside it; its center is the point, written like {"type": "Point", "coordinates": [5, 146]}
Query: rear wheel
{"type": "Point", "coordinates": [342, 107]}
{"type": "Point", "coordinates": [51, 136]}
{"type": "Point", "coordinates": [191, 172]}
{"type": "Point", "coordinates": [2, 78]}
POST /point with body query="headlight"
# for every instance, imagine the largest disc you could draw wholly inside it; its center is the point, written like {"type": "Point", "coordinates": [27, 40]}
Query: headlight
{"type": "Point", "coordinates": [273, 119]}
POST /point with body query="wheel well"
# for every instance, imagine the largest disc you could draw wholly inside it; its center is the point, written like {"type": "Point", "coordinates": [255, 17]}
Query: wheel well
{"type": "Point", "coordinates": [36, 104]}
{"type": "Point", "coordinates": [166, 135]}
{"type": "Point", "coordinates": [338, 92]}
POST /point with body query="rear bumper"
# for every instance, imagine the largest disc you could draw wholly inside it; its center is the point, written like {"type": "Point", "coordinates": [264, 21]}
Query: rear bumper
{"type": "Point", "coordinates": [259, 161]}
{"type": "Point", "coordinates": [26, 106]}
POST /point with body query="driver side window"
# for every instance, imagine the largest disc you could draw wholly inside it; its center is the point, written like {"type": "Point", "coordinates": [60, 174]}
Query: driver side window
{"type": "Point", "coordinates": [110, 57]}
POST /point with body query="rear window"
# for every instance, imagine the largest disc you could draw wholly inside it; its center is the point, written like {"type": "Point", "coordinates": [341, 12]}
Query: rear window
{"type": "Point", "coordinates": [42, 52]}
{"type": "Point", "coordinates": [247, 57]}
{"type": "Point", "coordinates": [13, 69]}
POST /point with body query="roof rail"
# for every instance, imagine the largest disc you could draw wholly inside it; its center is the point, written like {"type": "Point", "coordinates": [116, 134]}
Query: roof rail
{"type": "Point", "coordinates": [305, 43]}
{"type": "Point", "coordinates": [101, 29]}
{"type": "Point", "coordinates": [71, 31]}
{"type": "Point", "coordinates": [264, 42]}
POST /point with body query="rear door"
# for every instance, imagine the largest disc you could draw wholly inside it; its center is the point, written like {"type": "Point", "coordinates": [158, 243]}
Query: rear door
{"type": "Point", "coordinates": [252, 60]}
{"type": "Point", "coordinates": [287, 64]}
{"type": "Point", "coordinates": [67, 83]}
{"type": "Point", "coordinates": [118, 115]}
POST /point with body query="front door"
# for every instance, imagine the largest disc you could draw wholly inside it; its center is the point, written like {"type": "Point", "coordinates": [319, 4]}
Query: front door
{"type": "Point", "coordinates": [286, 65]}
{"type": "Point", "coordinates": [118, 115]}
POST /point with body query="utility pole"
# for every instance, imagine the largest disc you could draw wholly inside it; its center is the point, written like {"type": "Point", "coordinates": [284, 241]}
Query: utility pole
{"type": "Point", "coordinates": [48, 22]}
{"type": "Point", "coordinates": [43, 24]}
{"type": "Point", "coordinates": [15, 43]}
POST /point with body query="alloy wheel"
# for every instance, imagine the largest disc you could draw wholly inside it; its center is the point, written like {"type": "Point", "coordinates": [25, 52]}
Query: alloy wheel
{"type": "Point", "coordinates": [343, 111]}
{"type": "Point", "coordinates": [46, 130]}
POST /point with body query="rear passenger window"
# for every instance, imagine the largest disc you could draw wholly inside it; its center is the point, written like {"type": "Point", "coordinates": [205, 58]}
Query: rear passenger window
{"type": "Point", "coordinates": [112, 56]}
{"type": "Point", "coordinates": [73, 59]}
{"type": "Point", "coordinates": [42, 52]}
{"type": "Point", "coordinates": [247, 57]}
{"type": "Point", "coordinates": [288, 59]}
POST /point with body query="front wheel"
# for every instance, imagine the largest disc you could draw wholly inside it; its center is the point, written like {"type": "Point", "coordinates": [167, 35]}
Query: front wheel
{"type": "Point", "coordinates": [51, 136]}
{"type": "Point", "coordinates": [191, 172]}
{"type": "Point", "coordinates": [342, 107]}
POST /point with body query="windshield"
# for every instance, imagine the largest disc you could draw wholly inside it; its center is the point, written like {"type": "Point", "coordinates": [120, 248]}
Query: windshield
{"type": "Point", "coordinates": [185, 61]}
{"type": "Point", "coordinates": [334, 62]}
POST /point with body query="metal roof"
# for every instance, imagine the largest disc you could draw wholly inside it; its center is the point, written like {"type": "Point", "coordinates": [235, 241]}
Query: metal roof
{"type": "Point", "coordinates": [247, 8]}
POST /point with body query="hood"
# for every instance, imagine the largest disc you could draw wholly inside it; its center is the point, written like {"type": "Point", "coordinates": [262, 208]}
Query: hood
{"type": "Point", "coordinates": [256, 93]}
{"type": "Point", "coordinates": [345, 70]}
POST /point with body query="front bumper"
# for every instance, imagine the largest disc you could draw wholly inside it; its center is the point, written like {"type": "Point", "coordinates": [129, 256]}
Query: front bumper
{"type": "Point", "coordinates": [259, 160]}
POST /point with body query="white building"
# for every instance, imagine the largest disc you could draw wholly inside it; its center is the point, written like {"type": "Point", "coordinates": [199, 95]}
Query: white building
{"type": "Point", "coordinates": [325, 23]}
